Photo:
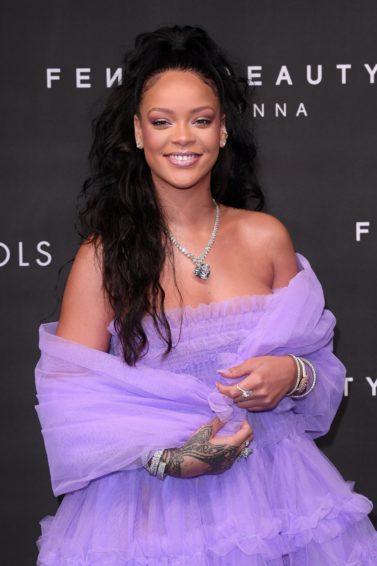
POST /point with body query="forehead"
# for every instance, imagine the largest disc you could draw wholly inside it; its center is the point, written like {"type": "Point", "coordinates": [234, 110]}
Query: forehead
{"type": "Point", "coordinates": [177, 88]}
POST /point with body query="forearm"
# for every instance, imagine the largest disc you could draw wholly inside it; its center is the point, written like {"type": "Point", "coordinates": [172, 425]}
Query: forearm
{"type": "Point", "coordinates": [319, 407]}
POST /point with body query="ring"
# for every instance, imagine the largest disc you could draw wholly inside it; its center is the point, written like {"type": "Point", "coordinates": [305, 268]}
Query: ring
{"type": "Point", "coordinates": [245, 392]}
{"type": "Point", "coordinates": [245, 452]}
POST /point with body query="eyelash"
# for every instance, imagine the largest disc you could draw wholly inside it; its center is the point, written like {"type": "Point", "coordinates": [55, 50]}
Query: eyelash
{"type": "Point", "coordinates": [157, 124]}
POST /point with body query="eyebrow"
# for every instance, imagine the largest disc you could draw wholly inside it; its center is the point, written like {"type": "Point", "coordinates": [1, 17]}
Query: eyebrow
{"type": "Point", "coordinates": [198, 109]}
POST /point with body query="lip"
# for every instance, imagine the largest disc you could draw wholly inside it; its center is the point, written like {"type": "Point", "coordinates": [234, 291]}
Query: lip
{"type": "Point", "coordinates": [185, 162]}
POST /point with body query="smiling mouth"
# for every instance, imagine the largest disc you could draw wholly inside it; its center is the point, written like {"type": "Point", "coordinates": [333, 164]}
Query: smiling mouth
{"type": "Point", "coordinates": [183, 159]}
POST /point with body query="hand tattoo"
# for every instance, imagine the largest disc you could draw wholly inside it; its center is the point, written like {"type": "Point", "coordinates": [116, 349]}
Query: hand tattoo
{"type": "Point", "coordinates": [218, 457]}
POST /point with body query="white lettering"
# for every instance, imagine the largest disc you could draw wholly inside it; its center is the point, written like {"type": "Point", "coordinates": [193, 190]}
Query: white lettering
{"type": "Point", "coordinates": [7, 254]}
{"type": "Point", "coordinates": [373, 385]}
{"type": "Point", "coordinates": [301, 109]}
{"type": "Point", "coordinates": [21, 262]}
{"type": "Point", "coordinates": [52, 75]}
{"type": "Point", "coordinates": [346, 388]}
{"type": "Point", "coordinates": [371, 72]}
{"type": "Point", "coordinates": [81, 76]}
{"type": "Point", "coordinates": [254, 72]}
{"type": "Point", "coordinates": [43, 252]}
{"type": "Point", "coordinates": [284, 76]}
{"type": "Point", "coordinates": [344, 67]}
{"type": "Point", "coordinates": [280, 110]}
{"type": "Point", "coordinates": [111, 78]}
{"type": "Point", "coordinates": [259, 108]}
{"type": "Point", "coordinates": [361, 229]}
{"type": "Point", "coordinates": [309, 76]}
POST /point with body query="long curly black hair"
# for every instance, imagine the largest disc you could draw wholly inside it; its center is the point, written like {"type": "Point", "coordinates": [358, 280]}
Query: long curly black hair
{"type": "Point", "coordinates": [118, 209]}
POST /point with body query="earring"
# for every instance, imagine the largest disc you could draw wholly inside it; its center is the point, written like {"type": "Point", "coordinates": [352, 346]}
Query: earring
{"type": "Point", "coordinates": [139, 145]}
{"type": "Point", "coordinates": [223, 142]}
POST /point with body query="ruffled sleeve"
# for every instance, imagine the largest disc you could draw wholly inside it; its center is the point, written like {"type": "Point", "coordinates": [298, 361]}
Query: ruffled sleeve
{"type": "Point", "coordinates": [100, 416]}
{"type": "Point", "coordinates": [320, 406]}
{"type": "Point", "coordinates": [300, 324]}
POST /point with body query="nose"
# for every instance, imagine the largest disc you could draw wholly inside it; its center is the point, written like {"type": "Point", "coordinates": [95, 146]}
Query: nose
{"type": "Point", "coordinates": [183, 134]}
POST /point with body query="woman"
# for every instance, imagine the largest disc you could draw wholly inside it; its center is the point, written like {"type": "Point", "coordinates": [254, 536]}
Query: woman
{"type": "Point", "coordinates": [173, 170]}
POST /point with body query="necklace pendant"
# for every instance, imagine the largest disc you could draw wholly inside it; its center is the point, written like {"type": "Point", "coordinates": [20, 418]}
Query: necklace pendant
{"type": "Point", "coordinates": [202, 270]}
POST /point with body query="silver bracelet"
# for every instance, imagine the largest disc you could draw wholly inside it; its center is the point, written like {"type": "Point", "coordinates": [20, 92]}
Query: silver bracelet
{"type": "Point", "coordinates": [298, 366]}
{"type": "Point", "coordinates": [314, 379]}
{"type": "Point", "coordinates": [157, 467]}
{"type": "Point", "coordinates": [302, 378]}
{"type": "Point", "coordinates": [153, 466]}
{"type": "Point", "coordinates": [304, 381]}
{"type": "Point", "coordinates": [161, 470]}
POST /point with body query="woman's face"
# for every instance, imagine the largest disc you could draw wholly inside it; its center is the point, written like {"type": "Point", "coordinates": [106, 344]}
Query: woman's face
{"type": "Point", "coordinates": [180, 128]}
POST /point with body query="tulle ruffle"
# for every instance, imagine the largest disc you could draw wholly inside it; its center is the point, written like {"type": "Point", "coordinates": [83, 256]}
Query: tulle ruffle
{"type": "Point", "coordinates": [285, 505]}
{"type": "Point", "coordinates": [215, 310]}
{"type": "Point", "coordinates": [206, 329]}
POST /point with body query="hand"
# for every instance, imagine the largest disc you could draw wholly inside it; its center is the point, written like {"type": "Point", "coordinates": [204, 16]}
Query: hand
{"type": "Point", "coordinates": [269, 378]}
{"type": "Point", "coordinates": [204, 454]}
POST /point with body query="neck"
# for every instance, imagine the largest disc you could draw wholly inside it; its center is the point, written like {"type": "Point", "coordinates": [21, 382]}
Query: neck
{"type": "Point", "coordinates": [189, 213]}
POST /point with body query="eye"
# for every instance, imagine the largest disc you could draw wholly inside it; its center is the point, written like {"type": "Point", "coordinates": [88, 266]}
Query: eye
{"type": "Point", "coordinates": [159, 123]}
{"type": "Point", "coordinates": [204, 121]}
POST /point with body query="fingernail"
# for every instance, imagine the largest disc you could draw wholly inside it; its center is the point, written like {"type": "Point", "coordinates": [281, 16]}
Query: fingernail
{"type": "Point", "coordinates": [224, 370]}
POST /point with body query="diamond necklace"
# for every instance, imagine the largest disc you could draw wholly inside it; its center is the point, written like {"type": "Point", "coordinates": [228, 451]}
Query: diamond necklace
{"type": "Point", "coordinates": [202, 269]}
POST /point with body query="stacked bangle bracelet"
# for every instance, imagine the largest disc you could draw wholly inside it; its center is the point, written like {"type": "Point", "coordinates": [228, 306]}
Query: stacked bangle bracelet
{"type": "Point", "coordinates": [156, 467]}
{"type": "Point", "coordinates": [300, 388]}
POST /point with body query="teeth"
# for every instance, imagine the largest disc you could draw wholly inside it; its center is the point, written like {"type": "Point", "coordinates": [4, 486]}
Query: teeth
{"type": "Point", "coordinates": [182, 157]}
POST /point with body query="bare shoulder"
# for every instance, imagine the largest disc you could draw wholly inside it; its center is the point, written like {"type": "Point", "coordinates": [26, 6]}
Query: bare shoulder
{"type": "Point", "coordinates": [85, 312]}
{"type": "Point", "coordinates": [270, 236]}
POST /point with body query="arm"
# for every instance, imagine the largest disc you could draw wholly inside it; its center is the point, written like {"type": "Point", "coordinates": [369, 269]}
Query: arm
{"type": "Point", "coordinates": [85, 312]}
{"type": "Point", "coordinates": [321, 404]}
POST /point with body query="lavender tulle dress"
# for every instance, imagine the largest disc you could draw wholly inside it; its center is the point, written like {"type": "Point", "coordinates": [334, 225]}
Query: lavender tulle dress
{"type": "Point", "coordinates": [286, 504]}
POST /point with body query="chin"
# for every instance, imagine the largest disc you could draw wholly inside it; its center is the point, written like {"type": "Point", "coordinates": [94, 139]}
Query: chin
{"type": "Point", "coordinates": [183, 179]}
{"type": "Point", "coordinates": [182, 184]}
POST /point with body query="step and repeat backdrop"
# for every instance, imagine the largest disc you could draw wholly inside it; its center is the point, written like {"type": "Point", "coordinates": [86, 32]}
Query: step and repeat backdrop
{"type": "Point", "coordinates": [314, 68]}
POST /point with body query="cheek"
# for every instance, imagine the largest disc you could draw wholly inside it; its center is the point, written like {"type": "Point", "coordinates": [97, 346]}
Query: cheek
{"type": "Point", "coordinates": [154, 140]}
{"type": "Point", "coordinates": [209, 139]}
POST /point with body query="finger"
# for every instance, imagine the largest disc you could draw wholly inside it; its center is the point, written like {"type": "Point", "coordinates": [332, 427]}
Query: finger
{"type": "Point", "coordinates": [229, 390]}
{"type": "Point", "coordinates": [253, 403]}
{"type": "Point", "coordinates": [216, 424]}
{"type": "Point", "coordinates": [255, 399]}
{"type": "Point", "coordinates": [245, 429]}
{"type": "Point", "coordinates": [233, 391]}
{"type": "Point", "coordinates": [238, 370]}
{"type": "Point", "coordinates": [242, 434]}
{"type": "Point", "coordinates": [259, 408]}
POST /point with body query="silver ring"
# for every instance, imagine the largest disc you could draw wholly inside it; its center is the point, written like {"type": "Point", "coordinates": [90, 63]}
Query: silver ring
{"type": "Point", "coordinates": [245, 452]}
{"type": "Point", "coordinates": [245, 392]}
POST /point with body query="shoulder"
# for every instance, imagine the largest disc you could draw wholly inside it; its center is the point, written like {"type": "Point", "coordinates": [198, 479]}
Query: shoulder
{"type": "Point", "coordinates": [269, 235]}
{"type": "Point", "coordinates": [85, 312]}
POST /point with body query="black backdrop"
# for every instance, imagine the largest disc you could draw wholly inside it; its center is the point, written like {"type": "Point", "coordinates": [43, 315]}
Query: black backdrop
{"type": "Point", "coordinates": [318, 169]}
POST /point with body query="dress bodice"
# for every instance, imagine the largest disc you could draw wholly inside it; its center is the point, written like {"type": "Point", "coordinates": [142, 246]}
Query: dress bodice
{"type": "Point", "coordinates": [208, 330]}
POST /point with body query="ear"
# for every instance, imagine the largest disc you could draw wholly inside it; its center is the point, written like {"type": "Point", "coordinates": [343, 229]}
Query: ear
{"type": "Point", "coordinates": [137, 128]}
{"type": "Point", "coordinates": [222, 121]}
